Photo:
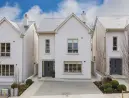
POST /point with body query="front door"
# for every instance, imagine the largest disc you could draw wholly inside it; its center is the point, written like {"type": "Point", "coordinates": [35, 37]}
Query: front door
{"type": "Point", "coordinates": [48, 68]}
{"type": "Point", "coordinates": [116, 66]}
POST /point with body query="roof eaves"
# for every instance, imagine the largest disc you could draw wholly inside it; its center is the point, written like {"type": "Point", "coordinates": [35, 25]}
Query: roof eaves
{"type": "Point", "coordinates": [4, 19]}
{"type": "Point", "coordinates": [73, 15]}
{"type": "Point", "coordinates": [45, 32]}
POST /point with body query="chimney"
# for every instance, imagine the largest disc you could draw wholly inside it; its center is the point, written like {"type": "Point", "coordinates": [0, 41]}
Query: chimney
{"type": "Point", "coordinates": [25, 21]}
{"type": "Point", "coordinates": [83, 17]}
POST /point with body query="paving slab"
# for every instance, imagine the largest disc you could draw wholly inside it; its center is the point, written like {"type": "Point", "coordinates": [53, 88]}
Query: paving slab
{"type": "Point", "coordinates": [67, 88]}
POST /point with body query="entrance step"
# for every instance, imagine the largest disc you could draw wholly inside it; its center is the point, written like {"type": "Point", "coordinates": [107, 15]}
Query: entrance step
{"type": "Point", "coordinates": [56, 79]}
{"type": "Point", "coordinates": [118, 77]}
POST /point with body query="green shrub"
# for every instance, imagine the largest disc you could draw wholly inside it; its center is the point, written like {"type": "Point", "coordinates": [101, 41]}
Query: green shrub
{"type": "Point", "coordinates": [22, 87]}
{"type": "Point", "coordinates": [115, 84]}
{"type": "Point", "coordinates": [106, 79]}
{"type": "Point", "coordinates": [98, 83]}
{"type": "Point", "coordinates": [29, 82]}
{"type": "Point", "coordinates": [107, 85]}
{"type": "Point", "coordinates": [121, 88]}
{"type": "Point", "coordinates": [108, 90]}
{"type": "Point", "coordinates": [14, 85]}
{"type": "Point", "coordinates": [101, 87]}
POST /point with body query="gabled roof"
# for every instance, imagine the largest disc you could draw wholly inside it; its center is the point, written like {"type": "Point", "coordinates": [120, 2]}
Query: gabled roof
{"type": "Point", "coordinates": [51, 25]}
{"type": "Point", "coordinates": [14, 25]}
{"type": "Point", "coordinates": [18, 27]}
{"type": "Point", "coordinates": [68, 18]}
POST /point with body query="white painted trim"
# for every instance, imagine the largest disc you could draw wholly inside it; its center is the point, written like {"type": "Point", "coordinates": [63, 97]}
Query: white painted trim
{"type": "Point", "coordinates": [68, 18]}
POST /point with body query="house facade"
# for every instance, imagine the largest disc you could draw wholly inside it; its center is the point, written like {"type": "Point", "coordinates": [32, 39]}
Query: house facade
{"type": "Point", "coordinates": [64, 48]}
{"type": "Point", "coordinates": [109, 42]}
{"type": "Point", "coordinates": [18, 50]}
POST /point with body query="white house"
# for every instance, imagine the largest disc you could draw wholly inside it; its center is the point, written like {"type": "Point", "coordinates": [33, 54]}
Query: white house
{"type": "Point", "coordinates": [64, 47]}
{"type": "Point", "coordinates": [109, 39]}
{"type": "Point", "coordinates": [18, 50]}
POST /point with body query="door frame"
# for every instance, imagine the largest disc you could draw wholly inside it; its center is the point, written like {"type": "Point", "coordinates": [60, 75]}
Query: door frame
{"type": "Point", "coordinates": [43, 70]}
{"type": "Point", "coordinates": [121, 65]}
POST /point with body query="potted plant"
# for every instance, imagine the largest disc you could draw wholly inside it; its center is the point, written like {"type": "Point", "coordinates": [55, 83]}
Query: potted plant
{"type": "Point", "coordinates": [53, 74]}
{"type": "Point", "coordinates": [14, 89]}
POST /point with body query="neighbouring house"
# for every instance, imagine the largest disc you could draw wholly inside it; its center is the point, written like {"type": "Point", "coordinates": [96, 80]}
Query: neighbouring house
{"type": "Point", "coordinates": [18, 50]}
{"type": "Point", "coordinates": [64, 47]}
{"type": "Point", "coordinates": [108, 42]}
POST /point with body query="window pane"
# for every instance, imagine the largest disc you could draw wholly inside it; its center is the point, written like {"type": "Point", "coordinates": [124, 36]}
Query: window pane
{"type": "Point", "coordinates": [47, 46]}
{"type": "Point", "coordinates": [66, 68]}
{"type": "Point", "coordinates": [11, 70]}
{"type": "Point", "coordinates": [79, 68]}
{"type": "Point", "coordinates": [0, 70]}
{"type": "Point", "coordinates": [3, 70]}
{"type": "Point", "coordinates": [2, 54]}
{"type": "Point", "coordinates": [47, 51]}
{"type": "Point", "coordinates": [75, 41]}
{"type": "Point", "coordinates": [2, 47]}
{"type": "Point", "coordinates": [70, 67]}
{"type": "Point", "coordinates": [7, 70]}
{"type": "Point", "coordinates": [8, 47]}
{"type": "Point", "coordinates": [7, 54]}
{"type": "Point", "coordinates": [114, 48]}
{"type": "Point", "coordinates": [70, 41]}
{"type": "Point", "coordinates": [69, 46]}
{"type": "Point", "coordinates": [75, 51]}
{"type": "Point", "coordinates": [69, 51]}
{"type": "Point", "coordinates": [47, 41]}
{"type": "Point", "coordinates": [74, 67]}
{"type": "Point", "coordinates": [114, 43]}
{"type": "Point", "coordinates": [75, 46]}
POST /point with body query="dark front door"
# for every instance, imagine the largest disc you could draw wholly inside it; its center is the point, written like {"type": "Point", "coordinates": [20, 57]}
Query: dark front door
{"type": "Point", "coordinates": [48, 68]}
{"type": "Point", "coordinates": [116, 66]}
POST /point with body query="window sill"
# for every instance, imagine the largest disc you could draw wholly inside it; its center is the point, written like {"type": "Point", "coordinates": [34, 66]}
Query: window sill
{"type": "Point", "coordinates": [115, 51]}
{"type": "Point", "coordinates": [72, 53]}
{"type": "Point", "coordinates": [47, 54]}
{"type": "Point", "coordinates": [5, 56]}
{"type": "Point", "coordinates": [6, 76]}
{"type": "Point", "coordinates": [66, 73]}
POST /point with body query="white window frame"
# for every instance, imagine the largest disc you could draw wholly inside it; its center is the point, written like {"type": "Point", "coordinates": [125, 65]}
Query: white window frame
{"type": "Point", "coordinates": [72, 39]}
{"type": "Point", "coordinates": [1, 74]}
{"type": "Point", "coordinates": [47, 48]}
{"type": "Point", "coordinates": [73, 63]}
{"type": "Point", "coordinates": [5, 50]}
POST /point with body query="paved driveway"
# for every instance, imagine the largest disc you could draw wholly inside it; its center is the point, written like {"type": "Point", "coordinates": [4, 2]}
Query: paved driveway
{"type": "Point", "coordinates": [67, 88]}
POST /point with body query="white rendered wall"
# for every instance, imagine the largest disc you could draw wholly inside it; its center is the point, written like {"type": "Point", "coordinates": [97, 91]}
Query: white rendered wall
{"type": "Point", "coordinates": [29, 56]}
{"type": "Point", "coordinates": [109, 47]}
{"type": "Point", "coordinates": [10, 35]}
{"type": "Point", "coordinates": [42, 55]}
{"type": "Point", "coordinates": [73, 29]}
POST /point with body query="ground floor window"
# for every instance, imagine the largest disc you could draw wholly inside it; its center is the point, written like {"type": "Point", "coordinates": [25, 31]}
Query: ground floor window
{"type": "Point", "coordinates": [73, 67]}
{"type": "Point", "coordinates": [6, 70]}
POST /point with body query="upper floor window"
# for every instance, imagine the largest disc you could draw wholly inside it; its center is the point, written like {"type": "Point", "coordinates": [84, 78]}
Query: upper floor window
{"type": "Point", "coordinates": [114, 43]}
{"type": "Point", "coordinates": [72, 45]}
{"type": "Point", "coordinates": [4, 49]}
{"type": "Point", "coordinates": [47, 46]}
